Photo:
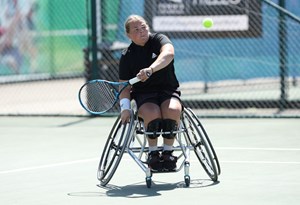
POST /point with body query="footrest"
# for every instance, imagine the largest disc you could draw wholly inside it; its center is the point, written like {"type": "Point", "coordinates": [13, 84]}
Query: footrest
{"type": "Point", "coordinates": [163, 171]}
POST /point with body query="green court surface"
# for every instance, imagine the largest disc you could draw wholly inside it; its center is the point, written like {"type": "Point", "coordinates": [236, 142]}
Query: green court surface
{"type": "Point", "coordinates": [53, 160]}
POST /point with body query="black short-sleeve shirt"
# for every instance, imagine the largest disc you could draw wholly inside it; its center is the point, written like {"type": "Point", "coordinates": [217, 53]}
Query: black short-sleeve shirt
{"type": "Point", "coordinates": [136, 57]}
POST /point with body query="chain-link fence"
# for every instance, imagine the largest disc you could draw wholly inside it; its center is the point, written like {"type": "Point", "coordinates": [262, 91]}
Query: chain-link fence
{"type": "Point", "coordinates": [41, 41]}
{"type": "Point", "coordinates": [246, 64]}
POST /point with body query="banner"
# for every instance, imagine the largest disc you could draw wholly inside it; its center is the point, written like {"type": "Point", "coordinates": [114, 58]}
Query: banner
{"type": "Point", "coordinates": [231, 18]}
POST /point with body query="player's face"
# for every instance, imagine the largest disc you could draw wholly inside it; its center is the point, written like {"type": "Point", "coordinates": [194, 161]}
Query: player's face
{"type": "Point", "coordinates": [139, 33]}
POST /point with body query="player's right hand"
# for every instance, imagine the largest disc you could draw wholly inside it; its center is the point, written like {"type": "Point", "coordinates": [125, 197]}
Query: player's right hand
{"type": "Point", "coordinates": [144, 74]}
{"type": "Point", "coordinates": [125, 116]}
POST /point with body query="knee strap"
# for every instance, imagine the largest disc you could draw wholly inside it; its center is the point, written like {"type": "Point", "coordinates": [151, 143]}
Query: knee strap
{"type": "Point", "coordinates": [169, 125]}
{"type": "Point", "coordinates": [154, 126]}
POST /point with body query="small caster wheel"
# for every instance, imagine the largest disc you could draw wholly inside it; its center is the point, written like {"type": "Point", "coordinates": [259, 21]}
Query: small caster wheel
{"type": "Point", "coordinates": [187, 180]}
{"type": "Point", "coordinates": [148, 182]}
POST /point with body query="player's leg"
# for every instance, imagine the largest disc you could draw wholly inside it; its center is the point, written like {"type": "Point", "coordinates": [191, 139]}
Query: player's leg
{"type": "Point", "coordinates": [171, 111]}
{"type": "Point", "coordinates": [150, 113]}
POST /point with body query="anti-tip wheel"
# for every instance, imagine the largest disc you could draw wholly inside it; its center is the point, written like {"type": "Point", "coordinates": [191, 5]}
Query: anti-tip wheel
{"type": "Point", "coordinates": [148, 182]}
{"type": "Point", "coordinates": [187, 180]}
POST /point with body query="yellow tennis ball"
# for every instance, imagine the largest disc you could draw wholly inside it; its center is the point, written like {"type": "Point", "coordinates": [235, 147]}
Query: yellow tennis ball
{"type": "Point", "coordinates": [207, 23]}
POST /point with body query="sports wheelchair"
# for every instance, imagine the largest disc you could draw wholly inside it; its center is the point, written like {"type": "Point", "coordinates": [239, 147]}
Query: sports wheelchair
{"type": "Point", "coordinates": [131, 138]}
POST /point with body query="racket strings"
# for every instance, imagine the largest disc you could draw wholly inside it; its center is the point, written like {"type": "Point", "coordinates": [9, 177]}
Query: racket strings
{"type": "Point", "coordinates": [99, 97]}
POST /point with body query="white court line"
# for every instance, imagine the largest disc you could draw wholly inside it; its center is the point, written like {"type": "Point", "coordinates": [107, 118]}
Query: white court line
{"type": "Point", "coordinates": [258, 162]}
{"type": "Point", "coordinates": [260, 149]}
{"type": "Point", "coordinates": [48, 166]}
{"type": "Point", "coordinates": [217, 148]}
{"type": "Point", "coordinates": [96, 159]}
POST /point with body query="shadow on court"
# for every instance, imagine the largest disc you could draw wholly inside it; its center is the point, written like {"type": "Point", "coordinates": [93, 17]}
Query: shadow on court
{"type": "Point", "coordinates": [138, 190]}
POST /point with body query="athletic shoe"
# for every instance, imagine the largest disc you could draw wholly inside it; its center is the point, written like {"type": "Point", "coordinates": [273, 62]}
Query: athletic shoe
{"type": "Point", "coordinates": [154, 161]}
{"type": "Point", "coordinates": [169, 161]}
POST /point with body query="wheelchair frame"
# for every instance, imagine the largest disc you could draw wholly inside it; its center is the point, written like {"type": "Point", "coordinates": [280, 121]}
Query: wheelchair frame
{"type": "Point", "coordinates": [123, 138]}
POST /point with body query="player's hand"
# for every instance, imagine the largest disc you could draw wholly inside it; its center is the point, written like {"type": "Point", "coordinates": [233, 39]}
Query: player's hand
{"type": "Point", "coordinates": [144, 74]}
{"type": "Point", "coordinates": [125, 116]}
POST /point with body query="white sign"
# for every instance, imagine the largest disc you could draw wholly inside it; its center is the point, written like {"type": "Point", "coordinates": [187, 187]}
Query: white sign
{"type": "Point", "coordinates": [194, 23]}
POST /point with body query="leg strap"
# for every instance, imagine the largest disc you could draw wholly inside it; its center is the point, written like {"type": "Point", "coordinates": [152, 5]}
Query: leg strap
{"type": "Point", "coordinates": [154, 126]}
{"type": "Point", "coordinates": [169, 125]}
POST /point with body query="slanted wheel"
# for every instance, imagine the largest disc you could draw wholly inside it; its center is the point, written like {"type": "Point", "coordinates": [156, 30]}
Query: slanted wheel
{"type": "Point", "coordinates": [113, 150]}
{"type": "Point", "coordinates": [201, 144]}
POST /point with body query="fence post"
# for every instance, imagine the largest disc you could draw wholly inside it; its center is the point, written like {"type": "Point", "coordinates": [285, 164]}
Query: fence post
{"type": "Point", "coordinates": [283, 69]}
{"type": "Point", "coordinates": [94, 65]}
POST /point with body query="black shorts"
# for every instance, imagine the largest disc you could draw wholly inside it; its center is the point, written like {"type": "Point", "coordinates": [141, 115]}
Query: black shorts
{"type": "Point", "coordinates": [155, 97]}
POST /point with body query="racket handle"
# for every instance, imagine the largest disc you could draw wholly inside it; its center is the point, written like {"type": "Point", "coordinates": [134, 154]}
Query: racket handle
{"type": "Point", "coordinates": [134, 80]}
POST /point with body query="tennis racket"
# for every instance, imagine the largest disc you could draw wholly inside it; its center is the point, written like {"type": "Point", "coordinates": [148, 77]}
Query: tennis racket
{"type": "Point", "coordinates": [99, 96]}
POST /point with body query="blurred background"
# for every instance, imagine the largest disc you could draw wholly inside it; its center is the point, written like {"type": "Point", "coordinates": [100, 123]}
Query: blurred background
{"type": "Point", "coordinates": [246, 65]}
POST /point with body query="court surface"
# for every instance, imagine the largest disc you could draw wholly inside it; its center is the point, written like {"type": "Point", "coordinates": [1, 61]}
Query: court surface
{"type": "Point", "coordinates": [53, 160]}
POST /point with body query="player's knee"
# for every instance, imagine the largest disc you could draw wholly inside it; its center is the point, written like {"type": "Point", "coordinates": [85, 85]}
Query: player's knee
{"type": "Point", "coordinates": [169, 125]}
{"type": "Point", "coordinates": [154, 126]}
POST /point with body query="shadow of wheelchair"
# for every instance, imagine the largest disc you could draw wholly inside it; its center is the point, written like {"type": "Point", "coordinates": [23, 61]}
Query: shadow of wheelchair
{"type": "Point", "coordinates": [140, 190]}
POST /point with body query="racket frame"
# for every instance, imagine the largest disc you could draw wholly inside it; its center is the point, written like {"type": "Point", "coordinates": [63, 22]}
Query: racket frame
{"type": "Point", "coordinates": [117, 93]}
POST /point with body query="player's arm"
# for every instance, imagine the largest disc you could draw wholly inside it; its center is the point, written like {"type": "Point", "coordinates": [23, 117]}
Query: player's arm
{"type": "Point", "coordinates": [126, 91]}
{"type": "Point", "coordinates": [164, 58]}
{"type": "Point", "coordinates": [125, 104]}
{"type": "Point", "coordinates": [124, 74]}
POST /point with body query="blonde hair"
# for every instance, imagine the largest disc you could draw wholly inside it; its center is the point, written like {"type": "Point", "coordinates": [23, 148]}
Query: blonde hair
{"type": "Point", "coordinates": [133, 18]}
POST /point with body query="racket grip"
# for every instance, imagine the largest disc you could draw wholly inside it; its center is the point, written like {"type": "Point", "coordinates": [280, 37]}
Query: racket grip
{"type": "Point", "coordinates": [134, 80]}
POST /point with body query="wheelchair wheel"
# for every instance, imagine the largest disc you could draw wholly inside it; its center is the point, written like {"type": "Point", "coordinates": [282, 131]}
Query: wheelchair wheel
{"type": "Point", "coordinates": [202, 146]}
{"type": "Point", "coordinates": [113, 150]}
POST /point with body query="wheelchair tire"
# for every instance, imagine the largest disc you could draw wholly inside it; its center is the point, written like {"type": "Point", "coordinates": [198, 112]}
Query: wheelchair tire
{"type": "Point", "coordinates": [113, 150]}
{"type": "Point", "coordinates": [202, 146]}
